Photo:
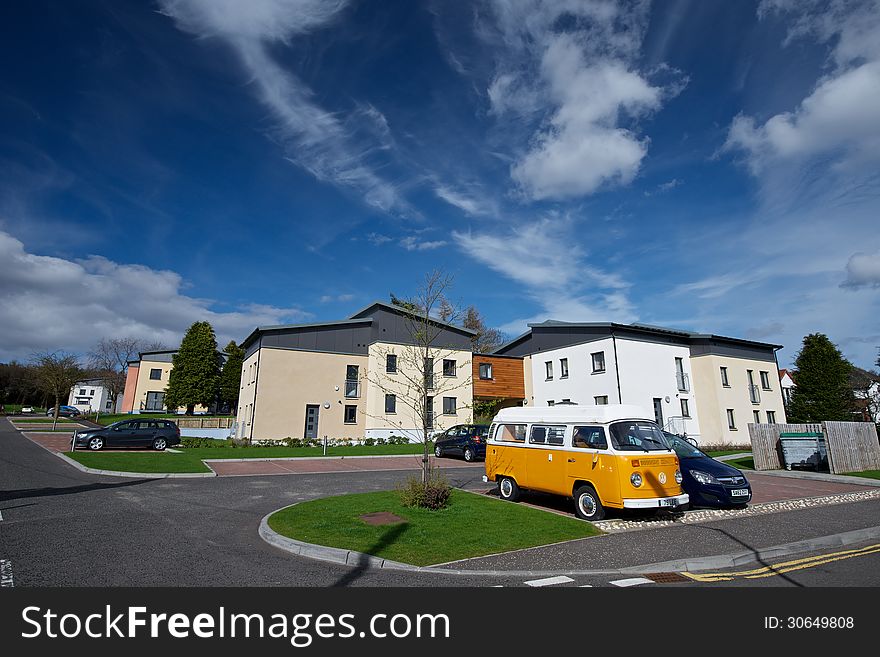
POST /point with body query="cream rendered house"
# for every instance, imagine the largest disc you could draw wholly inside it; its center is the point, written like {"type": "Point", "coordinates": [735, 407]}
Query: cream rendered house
{"type": "Point", "coordinates": [355, 378]}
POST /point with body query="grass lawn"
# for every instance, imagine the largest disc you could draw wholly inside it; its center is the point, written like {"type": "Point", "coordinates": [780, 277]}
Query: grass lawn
{"type": "Point", "coordinates": [867, 474]}
{"type": "Point", "coordinates": [472, 525]}
{"type": "Point", "coordinates": [725, 452]}
{"type": "Point", "coordinates": [747, 463]}
{"type": "Point", "coordinates": [190, 460]}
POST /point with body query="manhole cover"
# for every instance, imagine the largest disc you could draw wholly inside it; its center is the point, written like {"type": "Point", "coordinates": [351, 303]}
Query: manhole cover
{"type": "Point", "coordinates": [666, 578]}
{"type": "Point", "coordinates": [381, 518]}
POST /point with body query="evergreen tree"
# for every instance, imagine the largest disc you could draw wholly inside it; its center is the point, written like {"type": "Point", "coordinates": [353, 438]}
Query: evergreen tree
{"type": "Point", "coordinates": [230, 377]}
{"type": "Point", "coordinates": [822, 391]}
{"type": "Point", "coordinates": [195, 377]}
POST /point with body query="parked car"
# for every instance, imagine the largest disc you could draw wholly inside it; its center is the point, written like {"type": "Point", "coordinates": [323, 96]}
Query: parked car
{"type": "Point", "coordinates": [707, 481]}
{"type": "Point", "coordinates": [468, 440]}
{"type": "Point", "coordinates": [27, 409]}
{"type": "Point", "coordinates": [63, 411]}
{"type": "Point", "coordinates": [157, 434]}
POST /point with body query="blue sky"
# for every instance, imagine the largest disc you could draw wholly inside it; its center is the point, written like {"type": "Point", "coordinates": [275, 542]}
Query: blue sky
{"type": "Point", "coordinates": [699, 164]}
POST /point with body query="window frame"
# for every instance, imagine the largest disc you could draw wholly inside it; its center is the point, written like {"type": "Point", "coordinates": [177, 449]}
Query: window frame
{"type": "Point", "coordinates": [765, 380]}
{"type": "Point", "coordinates": [548, 370]}
{"type": "Point", "coordinates": [345, 412]}
{"type": "Point", "coordinates": [725, 376]}
{"type": "Point", "coordinates": [393, 399]}
{"type": "Point", "coordinates": [731, 420]}
{"type": "Point", "coordinates": [593, 355]}
{"type": "Point", "coordinates": [500, 429]}
{"type": "Point", "coordinates": [453, 369]}
{"type": "Point", "coordinates": [154, 370]}
{"type": "Point", "coordinates": [590, 427]}
{"type": "Point", "coordinates": [389, 368]}
{"type": "Point", "coordinates": [771, 417]}
{"type": "Point", "coordinates": [480, 367]}
{"type": "Point", "coordinates": [454, 410]}
{"type": "Point", "coordinates": [563, 368]}
{"type": "Point", "coordinates": [685, 407]}
{"type": "Point", "coordinates": [596, 401]}
{"type": "Point", "coordinates": [546, 440]}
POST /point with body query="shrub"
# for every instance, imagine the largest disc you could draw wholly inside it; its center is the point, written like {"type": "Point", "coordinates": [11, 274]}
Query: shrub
{"type": "Point", "coordinates": [369, 442]}
{"type": "Point", "coordinates": [434, 495]}
{"type": "Point", "coordinates": [205, 442]}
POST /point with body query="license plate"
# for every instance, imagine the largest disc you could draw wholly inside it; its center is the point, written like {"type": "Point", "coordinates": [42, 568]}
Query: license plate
{"type": "Point", "coordinates": [669, 502]}
{"type": "Point", "coordinates": [742, 492]}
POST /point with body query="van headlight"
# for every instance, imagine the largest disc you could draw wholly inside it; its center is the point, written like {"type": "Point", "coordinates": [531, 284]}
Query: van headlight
{"type": "Point", "coordinates": [636, 479]}
{"type": "Point", "coordinates": [678, 476]}
{"type": "Point", "coordinates": [703, 477]}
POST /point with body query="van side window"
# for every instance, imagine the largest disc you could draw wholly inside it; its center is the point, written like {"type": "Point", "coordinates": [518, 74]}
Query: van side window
{"type": "Point", "coordinates": [511, 433]}
{"type": "Point", "coordinates": [550, 435]}
{"type": "Point", "coordinates": [589, 438]}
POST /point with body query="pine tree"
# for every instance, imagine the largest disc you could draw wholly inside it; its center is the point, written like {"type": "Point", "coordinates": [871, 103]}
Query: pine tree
{"type": "Point", "coordinates": [230, 377]}
{"type": "Point", "coordinates": [822, 389]}
{"type": "Point", "coordinates": [195, 377]}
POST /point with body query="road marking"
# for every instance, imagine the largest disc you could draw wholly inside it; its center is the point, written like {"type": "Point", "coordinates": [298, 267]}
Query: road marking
{"type": "Point", "coordinates": [632, 581]}
{"type": "Point", "coordinates": [1, 516]}
{"type": "Point", "coordinates": [585, 586]}
{"type": "Point", "coordinates": [549, 581]}
{"type": "Point", "coordinates": [785, 566]}
{"type": "Point", "coordinates": [5, 572]}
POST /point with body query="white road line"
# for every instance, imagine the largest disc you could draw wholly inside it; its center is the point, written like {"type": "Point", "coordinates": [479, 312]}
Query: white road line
{"type": "Point", "coordinates": [1, 516]}
{"type": "Point", "coordinates": [585, 586]}
{"type": "Point", "coordinates": [632, 581]}
{"type": "Point", "coordinates": [5, 572]}
{"type": "Point", "coordinates": [549, 581]}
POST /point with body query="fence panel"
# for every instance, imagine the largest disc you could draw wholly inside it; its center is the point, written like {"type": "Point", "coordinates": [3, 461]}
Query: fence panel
{"type": "Point", "coordinates": [765, 442]}
{"type": "Point", "coordinates": [852, 446]}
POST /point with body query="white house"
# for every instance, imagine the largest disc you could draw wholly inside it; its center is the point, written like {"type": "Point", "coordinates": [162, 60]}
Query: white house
{"type": "Point", "coordinates": [786, 382]}
{"type": "Point", "coordinates": [90, 396]}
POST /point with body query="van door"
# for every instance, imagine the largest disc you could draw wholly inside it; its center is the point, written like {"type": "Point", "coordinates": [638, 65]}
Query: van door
{"type": "Point", "coordinates": [546, 459]}
{"type": "Point", "coordinates": [591, 460]}
{"type": "Point", "coordinates": [506, 455]}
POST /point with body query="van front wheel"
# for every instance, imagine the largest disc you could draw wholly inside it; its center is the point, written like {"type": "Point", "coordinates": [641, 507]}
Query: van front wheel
{"type": "Point", "coordinates": [508, 489]}
{"type": "Point", "coordinates": [587, 505]}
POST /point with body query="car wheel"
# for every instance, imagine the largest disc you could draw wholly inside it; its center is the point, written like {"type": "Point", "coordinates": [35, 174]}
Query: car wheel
{"type": "Point", "coordinates": [438, 452]}
{"type": "Point", "coordinates": [508, 489]}
{"type": "Point", "coordinates": [468, 454]}
{"type": "Point", "coordinates": [96, 443]}
{"type": "Point", "coordinates": [587, 505]}
{"type": "Point", "coordinates": [159, 444]}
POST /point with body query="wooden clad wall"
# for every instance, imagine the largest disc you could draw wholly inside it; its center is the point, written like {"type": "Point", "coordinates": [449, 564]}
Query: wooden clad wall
{"type": "Point", "coordinates": [852, 446]}
{"type": "Point", "coordinates": [507, 378]}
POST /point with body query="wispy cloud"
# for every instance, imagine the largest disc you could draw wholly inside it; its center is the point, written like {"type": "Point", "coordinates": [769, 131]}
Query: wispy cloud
{"type": "Point", "coordinates": [337, 298]}
{"type": "Point", "coordinates": [468, 202]}
{"type": "Point", "coordinates": [98, 297]}
{"type": "Point", "coordinates": [411, 243]}
{"type": "Point", "coordinates": [863, 270]}
{"type": "Point", "coordinates": [333, 150]}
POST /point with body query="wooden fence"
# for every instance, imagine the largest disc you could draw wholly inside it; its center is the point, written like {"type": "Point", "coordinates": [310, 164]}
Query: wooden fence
{"type": "Point", "coordinates": [852, 446]}
{"type": "Point", "coordinates": [203, 422]}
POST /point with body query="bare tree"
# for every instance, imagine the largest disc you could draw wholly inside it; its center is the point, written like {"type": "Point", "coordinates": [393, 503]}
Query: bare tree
{"type": "Point", "coordinates": [415, 384]}
{"type": "Point", "coordinates": [55, 373]}
{"type": "Point", "coordinates": [486, 339]}
{"type": "Point", "coordinates": [109, 359]}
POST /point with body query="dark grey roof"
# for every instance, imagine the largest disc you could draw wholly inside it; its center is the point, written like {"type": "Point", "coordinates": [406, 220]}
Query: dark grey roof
{"type": "Point", "coordinates": [403, 311]}
{"type": "Point", "coordinates": [290, 327]}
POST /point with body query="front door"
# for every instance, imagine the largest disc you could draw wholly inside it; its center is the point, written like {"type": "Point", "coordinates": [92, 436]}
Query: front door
{"type": "Point", "coordinates": [312, 420]}
{"type": "Point", "coordinates": [658, 411]}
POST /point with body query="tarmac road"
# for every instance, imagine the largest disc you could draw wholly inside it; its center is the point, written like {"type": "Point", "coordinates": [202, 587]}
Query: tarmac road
{"type": "Point", "coordinates": [63, 527]}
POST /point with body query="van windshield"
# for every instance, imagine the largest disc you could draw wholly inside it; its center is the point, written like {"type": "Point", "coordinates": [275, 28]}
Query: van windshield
{"type": "Point", "coordinates": [641, 436]}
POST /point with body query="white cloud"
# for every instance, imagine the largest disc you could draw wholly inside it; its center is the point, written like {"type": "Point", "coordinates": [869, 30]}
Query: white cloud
{"type": "Point", "coordinates": [333, 151]}
{"type": "Point", "coordinates": [863, 270]}
{"type": "Point", "coordinates": [838, 120]}
{"type": "Point", "coordinates": [49, 303]}
{"type": "Point", "coordinates": [469, 203]}
{"type": "Point", "coordinates": [413, 244]}
{"type": "Point", "coordinates": [337, 298]}
{"type": "Point", "coordinates": [573, 64]}
{"type": "Point", "coordinates": [377, 239]}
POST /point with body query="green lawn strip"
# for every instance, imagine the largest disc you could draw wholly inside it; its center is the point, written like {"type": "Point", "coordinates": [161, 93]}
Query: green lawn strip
{"type": "Point", "coordinates": [190, 460]}
{"type": "Point", "coordinates": [747, 463]}
{"type": "Point", "coordinates": [867, 474]}
{"type": "Point", "coordinates": [473, 525]}
{"type": "Point", "coordinates": [726, 452]}
{"type": "Point", "coordinates": [152, 462]}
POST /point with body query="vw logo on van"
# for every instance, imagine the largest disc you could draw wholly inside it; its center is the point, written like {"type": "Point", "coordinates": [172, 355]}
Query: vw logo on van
{"type": "Point", "coordinates": [662, 477]}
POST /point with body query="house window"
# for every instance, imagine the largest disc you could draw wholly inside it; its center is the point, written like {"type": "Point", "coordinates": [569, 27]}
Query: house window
{"type": "Point", "coordinates": [601, 400]}
{"type": "Point", "coordinates": [598, 362]}
{"type": "Point", "coordinates": [765, 380]}
{"type": "Point", "coordinates": [82, 391]}
{"type": "Point", "coordinates": [563, 368]}
{"type": "Point", "coordinates": [566, 401]}
{"type": "Point", "coordinates": [757, 415]}
{"type": "Point", "coordinates": [449, 406]}
{"type": "Point", "coordinates": [352, 383]}
{"type": "Point", "coordinates": [771, 417]}
{"type": "Point", "coordinates": [390, 403]}
{"type": "Point", "coordinates": [155, 374]}
{"type": "Point", "coordinates": [485, 371]}
{"type": "Point", "coordinates": [391, 363]}
{"type": "Point", "coordinates": [350, 414]}
{"type": "Point", "coordinates": [551, 402]}
{"type": "Point", "coordinates": [731, 421]}
{"type": "Point", "coordinates": [685, 410]}
{"type": "Point", "coordinates": [448, 367]}
{"type": "Point", "coordinates": [724, 380]}
{"type": "Point", "coordinates": [549, 367]}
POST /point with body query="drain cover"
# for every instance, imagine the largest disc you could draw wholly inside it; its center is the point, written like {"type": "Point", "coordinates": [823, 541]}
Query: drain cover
{"type": "Point", "coordinates": [665, 578]}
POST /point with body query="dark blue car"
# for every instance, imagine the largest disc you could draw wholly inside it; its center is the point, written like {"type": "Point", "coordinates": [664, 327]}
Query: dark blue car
{"type": "Point", "coordinates": [709, 482]}
{"type": "Point", "coordinates": [468, 440]}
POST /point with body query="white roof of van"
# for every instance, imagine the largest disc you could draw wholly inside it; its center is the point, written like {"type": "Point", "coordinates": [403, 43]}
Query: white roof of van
{"type": "Point", "coordinates": [572, 413]}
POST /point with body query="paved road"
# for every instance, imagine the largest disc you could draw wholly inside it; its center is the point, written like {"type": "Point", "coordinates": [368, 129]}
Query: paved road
{"type": "Point", "coordinates": [62, 527]}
